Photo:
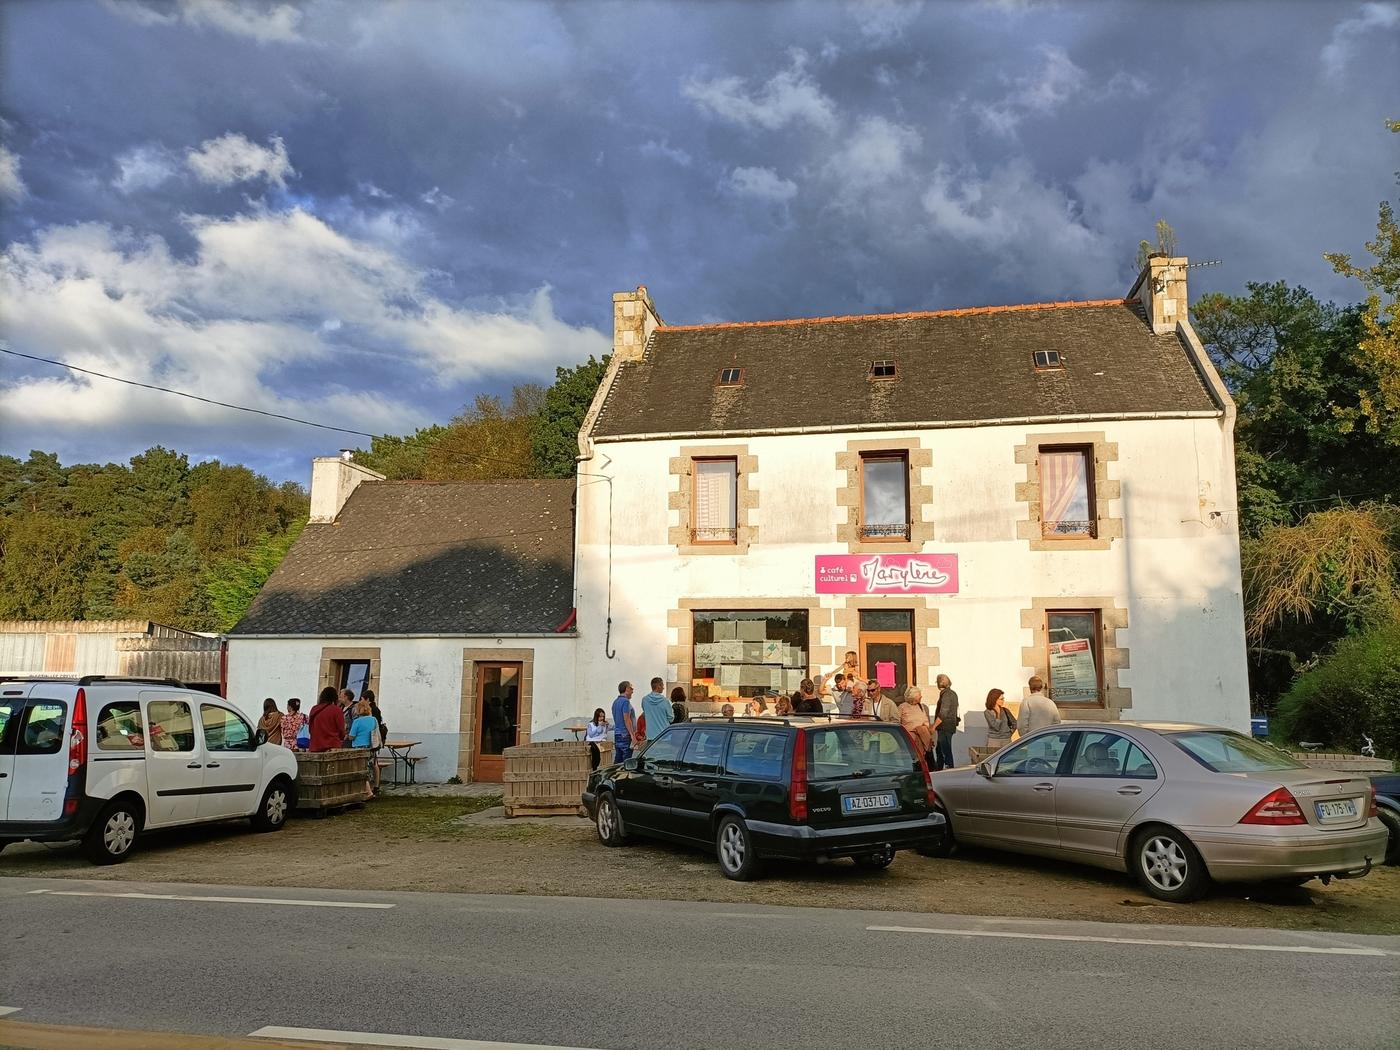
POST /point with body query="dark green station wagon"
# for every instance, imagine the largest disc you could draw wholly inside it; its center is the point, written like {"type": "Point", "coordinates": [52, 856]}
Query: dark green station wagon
{"type": "Point", "coordinates": [751, 789]}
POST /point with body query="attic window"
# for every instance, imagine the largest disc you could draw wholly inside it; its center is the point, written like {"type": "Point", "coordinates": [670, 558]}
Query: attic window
{"type": "Point", "coordinates": [882, 369]}
{"type": "Point", "coordinates": [731, 377]}
{"type": "Point", "coordinates": [1047, 359]}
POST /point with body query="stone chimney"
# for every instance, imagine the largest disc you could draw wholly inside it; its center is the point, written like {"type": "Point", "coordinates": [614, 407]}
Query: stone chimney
{"type": "Point", "coordinates": [1162, 288]}
{"type": "Point", "coordinates": [634, 319]}
{"type": "Point", "coordinates": [333, 478]}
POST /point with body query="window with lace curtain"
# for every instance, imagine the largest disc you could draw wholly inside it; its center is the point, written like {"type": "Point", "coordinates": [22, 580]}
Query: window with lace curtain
{"type": "Point", "coordinates": [1067, 492]}
{"type": "Point", "coordinates": [715, 501]}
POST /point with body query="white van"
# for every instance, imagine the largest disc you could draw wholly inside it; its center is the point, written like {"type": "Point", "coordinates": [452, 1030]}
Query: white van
{"type": "Point", "coordinates": [102, 759]}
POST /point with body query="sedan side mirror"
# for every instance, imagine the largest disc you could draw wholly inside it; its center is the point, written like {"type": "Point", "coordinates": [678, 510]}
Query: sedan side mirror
{"type": "Point", "coordinates": [632, 765]}
{"type": "Point", "coordinates": [984, 769]}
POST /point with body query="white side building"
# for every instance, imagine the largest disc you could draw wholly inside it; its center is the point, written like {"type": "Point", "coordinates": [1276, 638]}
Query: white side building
{"type": "Point", "coordinates": [989, 493]}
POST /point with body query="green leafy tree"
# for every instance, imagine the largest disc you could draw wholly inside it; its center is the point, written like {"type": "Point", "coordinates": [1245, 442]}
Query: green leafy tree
{"type": "Point", "coordinates": [42, 562]}
{"type": "Point", "coordinates": [401, 458]}
{"type": "Point", "coordinates": [232, 584]}
{"type": "Point", "coordinates": [554, 429]}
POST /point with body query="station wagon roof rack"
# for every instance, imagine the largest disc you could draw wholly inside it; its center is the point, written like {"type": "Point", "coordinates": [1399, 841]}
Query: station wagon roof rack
{"type": "Point", "coordinates": [785, 720]}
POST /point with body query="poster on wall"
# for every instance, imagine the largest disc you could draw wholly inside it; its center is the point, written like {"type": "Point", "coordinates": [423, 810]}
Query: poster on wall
{"type": "Point", "coordinates": [887, 574]}
{"type": "Point", "coordinates": [753, 630]}
{"type": "Point", "coordinates": [1073, 676]}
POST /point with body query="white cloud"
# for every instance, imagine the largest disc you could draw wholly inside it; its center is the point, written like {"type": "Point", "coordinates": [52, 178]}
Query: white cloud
{"type": "Point", "coordinates": [265, 23]}
{"type": "Point", "coordinates": [11, 185]}
{"type": "Point", "coordinates": [885, 20]}
{"type": "Point", "coordinates": [144, 168]}
{"type": "Point", "coordinates": [1058, 82]}
{"type": "Point", "coordinates": [1338, 51]}
{"type": "Point", "coordinates": [791, 96]}
{"type": "Point", "coordinates": [876, 152]}
{"type": "Point", "coordinates": [665, 151]}
{"type": "Point", "coordinates": [436, 198]}
{"type": "Point", "coordinates": [259, 292]}
{"type": "Point", "coordinates": [233, 158]}
{"type": "Point", "coordinates": [763, 184]}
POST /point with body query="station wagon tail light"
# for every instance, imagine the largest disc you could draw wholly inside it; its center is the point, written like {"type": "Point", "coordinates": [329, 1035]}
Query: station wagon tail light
{"type": "Point", "coordinates": [1371, 810]}
{"type": "Point", "coordinates": [77, 741]}
{"type": "Point", "coordinates": [797, 788]}
{"type": "Point", "coordinates": [1277, 807]}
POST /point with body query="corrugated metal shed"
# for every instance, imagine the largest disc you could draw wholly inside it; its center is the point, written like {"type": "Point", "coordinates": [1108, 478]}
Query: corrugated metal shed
{"type": "Point", "coordinates": [141, 648]}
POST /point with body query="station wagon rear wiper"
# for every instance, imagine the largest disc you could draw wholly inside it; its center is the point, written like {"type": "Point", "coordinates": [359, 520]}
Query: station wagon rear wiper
{"type": "Point", "coordinates": [861, 772]}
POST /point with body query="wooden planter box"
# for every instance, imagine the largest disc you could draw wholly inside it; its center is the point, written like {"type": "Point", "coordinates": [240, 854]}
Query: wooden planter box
{"type": "Point", "coordinates": [547, 779]}
{"type": "Point", "coordinates": [1344, 763]}
{"type": "Point", "coordinates": [327, 780]}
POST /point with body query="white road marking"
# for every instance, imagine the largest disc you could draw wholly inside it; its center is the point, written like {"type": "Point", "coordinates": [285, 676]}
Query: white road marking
{"type": "Point", "coordinates": [5, 1011]}
{"type": "Point", "coordinates": [1301, 949]}
{"type": "Point", "coordinates": [214, 900]}
{"type": "Point", "coordinates": [419, 1042]}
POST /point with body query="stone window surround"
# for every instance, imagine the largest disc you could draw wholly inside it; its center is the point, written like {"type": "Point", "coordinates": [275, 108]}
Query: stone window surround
{"type": "Point", "coordinates": [680, 499]}
{"type": "Point", "coordinates": [682, 620]}
{"type": "Point", "coordinates": [850, 496]}
{"type": "Point", "coordinates": [1112, 619]}
{"type": "Point", "coordinates": [925, 655]}
{"type": "Point", "coordinates": [1107, 528]}
{"type": "Point", "coordinates": [332, 655]}
{"type": "Point", "coordinates": [466, 741]}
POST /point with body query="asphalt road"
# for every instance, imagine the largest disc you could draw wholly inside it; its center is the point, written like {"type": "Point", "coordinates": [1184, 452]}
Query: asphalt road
{"type": "Point", "coordinates": [610, 975]}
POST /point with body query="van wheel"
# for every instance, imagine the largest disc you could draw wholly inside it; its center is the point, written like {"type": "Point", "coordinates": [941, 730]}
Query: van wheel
{"type": "Point", "coordinates": [609, 822]}
{"type": "Point", "coordinates": [276, 804]}
{"type": "Point", "coordinates": [734, 847]}
{"type": "Point", "coordinates": [1167, 865]}
{"type": "Point", "coordinates": [112, 834]}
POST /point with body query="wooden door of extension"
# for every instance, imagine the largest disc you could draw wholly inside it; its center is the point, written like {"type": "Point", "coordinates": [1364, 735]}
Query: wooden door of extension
{"type": "Point", "coordinates": [497, 719]}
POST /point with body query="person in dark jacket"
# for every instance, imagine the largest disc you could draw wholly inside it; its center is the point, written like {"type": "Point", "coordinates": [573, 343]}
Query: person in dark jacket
{"type": "Point", "coordinates": [678, 706]}
{"type": "Point", "coordinates": [327, 722]}
{"type": "Point", "coordinates": [945, 722]}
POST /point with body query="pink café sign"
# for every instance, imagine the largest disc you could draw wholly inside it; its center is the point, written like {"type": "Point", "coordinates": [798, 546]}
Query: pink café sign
{"type": "Point", "coordinates": [887, 574]}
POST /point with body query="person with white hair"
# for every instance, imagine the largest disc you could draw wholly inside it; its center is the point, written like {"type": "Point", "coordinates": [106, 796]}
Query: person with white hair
{"type": "Point", "coordinates": [913, 716]}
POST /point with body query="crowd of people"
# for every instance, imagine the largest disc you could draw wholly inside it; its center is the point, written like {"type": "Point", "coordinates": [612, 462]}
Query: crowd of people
{"type": "Point", "coordinates": [849, 694]}
{"type": "Point", "coordinates": [338, 719]}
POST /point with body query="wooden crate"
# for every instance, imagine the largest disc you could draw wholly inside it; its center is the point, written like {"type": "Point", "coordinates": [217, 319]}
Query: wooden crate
{"type": "Point", "coordinates": [1344, 763]}
{"type": "Point", "coordinates": [327, 780]}
{"type": "Point", "coordinates": [981, 754]}
{"type": "Point", "coordinates": [547, 779]}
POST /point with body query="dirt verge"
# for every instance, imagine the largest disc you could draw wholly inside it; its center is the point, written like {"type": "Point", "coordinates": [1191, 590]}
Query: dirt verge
{"type": "Point", "coordinates": [420, 844]}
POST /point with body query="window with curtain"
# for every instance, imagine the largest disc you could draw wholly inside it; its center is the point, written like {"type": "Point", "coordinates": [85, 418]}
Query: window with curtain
{"type": "Point", "coordinates": [715, 501]}
{"type": "Point", "coordinates": [1066, 492]}
{"type": "Point", "coordinates": [884, 496]}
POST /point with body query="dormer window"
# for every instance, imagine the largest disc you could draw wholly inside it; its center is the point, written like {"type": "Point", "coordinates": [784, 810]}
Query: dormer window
{"type": "Point", "coordinates": [1047, 359]}
{"type": "Point", "coordinates": [882, 369]}
{"type": "Point", "coordinates": [731, 377]}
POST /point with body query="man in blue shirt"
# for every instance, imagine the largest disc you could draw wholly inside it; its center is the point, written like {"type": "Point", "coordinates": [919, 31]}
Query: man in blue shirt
{"type": "Point", "coordinates": [624, 723]}
{"type": "Point", "coordinates": [657, 709]}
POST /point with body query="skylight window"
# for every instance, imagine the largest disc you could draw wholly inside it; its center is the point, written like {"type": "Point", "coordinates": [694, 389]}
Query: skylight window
{"type": "Point", "coordinates": [731, 377]}
{"type": "Point", "coordinates": [882, 369]}
{"type": "Point", "coordinates": [1048, 359]}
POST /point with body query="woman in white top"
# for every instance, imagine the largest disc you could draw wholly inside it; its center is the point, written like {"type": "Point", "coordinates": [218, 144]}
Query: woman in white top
{"type": "Point", "coordinates": [598, 732]}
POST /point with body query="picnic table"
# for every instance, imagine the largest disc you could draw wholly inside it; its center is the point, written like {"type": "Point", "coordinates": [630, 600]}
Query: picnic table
{"type": "Point", "coordinates": [400, 753]}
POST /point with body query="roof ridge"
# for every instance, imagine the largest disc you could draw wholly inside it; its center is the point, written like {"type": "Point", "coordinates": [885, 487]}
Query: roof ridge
{"type": "Point", "coordinates": [964, 311]}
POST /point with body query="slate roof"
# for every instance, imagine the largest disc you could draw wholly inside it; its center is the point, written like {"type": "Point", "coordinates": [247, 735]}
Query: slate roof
{"type": "Point", "coordinates": [414, 557]}
{"type": "Point", "coordinates": [953, 366]}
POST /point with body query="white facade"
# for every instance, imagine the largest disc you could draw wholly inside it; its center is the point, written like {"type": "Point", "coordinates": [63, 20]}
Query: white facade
{"type": "Point", "coordinates": [1175, 572]}
{"type": "Point", "coordinates": [419, 685]}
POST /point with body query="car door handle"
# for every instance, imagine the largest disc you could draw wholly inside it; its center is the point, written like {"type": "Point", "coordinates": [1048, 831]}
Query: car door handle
{"type": "Point", "coordinates": [194, 765]}
{"type": "Point", "coordinates": [664, 780]}
{"type": "Point", "coordinates": [212, 765]}
{"type": "Point", "coordinates": [1045, 787]}
{"type": "Point", "coordinates": [1131, 789]}
{"type": "Point", "coordinates": [709, 785]}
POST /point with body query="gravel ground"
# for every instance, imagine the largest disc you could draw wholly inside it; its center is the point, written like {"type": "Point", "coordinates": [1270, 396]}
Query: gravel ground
{"type": "Point", "coordinates": [423, 844]}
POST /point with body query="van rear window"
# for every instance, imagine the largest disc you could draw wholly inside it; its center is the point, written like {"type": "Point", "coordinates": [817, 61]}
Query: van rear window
{"type": "Point", "coordinates": [758, 756]}
{"type": "Point", "coordinates": [43, 728]}
{"type": "Point", "coordinates": [843, 751]}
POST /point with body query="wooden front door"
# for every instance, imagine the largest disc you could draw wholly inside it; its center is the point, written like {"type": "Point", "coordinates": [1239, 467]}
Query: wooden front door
{"type": "Point", "coordinates": [497, 719]}
{"type": "Point", "coordinates": [891, 647]}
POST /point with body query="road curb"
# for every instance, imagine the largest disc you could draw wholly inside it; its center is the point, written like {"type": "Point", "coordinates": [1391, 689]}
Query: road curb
{"type": "Point", "coordinates": [19, 1035]}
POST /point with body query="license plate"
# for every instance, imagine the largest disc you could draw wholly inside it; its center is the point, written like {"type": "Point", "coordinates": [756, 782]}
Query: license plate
{"type": "Point", "coordinates": [869, 803]}
{"type": "Point", "coordinates": [1343, 810]}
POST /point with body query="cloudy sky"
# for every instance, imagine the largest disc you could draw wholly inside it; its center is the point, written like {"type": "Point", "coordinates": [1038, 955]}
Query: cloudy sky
{"type": "Point", "coordinates": [366, 212]}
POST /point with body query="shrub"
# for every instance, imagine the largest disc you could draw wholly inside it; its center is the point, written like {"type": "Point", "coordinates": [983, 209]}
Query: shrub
{"type": "Point", "coordinates": [1355, 689]}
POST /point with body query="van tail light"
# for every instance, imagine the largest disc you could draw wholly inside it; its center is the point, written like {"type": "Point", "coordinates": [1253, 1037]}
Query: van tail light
{"type": "Point", "coordinates": [1275, 808]}
{"type": "Point", "coordinates": [1371, 810]}
{"type": "Point", "coordinates": [77, 739]}
{"type": "Point", "coordinates": [797, 787]}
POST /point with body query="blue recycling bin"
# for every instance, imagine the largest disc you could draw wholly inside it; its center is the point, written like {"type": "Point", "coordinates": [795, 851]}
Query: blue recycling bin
{"type": "Point", "coordinates": [1259, 725]}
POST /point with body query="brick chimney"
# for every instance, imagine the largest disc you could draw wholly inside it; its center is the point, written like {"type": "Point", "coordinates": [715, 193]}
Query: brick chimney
{"type": "Point", "coordinates": [634, 319]}
{"type": "Point", "coordinates": [333, 478]}
{"type": "Point", "coordinates": [1162, 288]}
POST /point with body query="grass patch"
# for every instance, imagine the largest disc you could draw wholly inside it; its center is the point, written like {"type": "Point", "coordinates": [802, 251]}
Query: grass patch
{"type": "Point", "coordinates": [415, 817]}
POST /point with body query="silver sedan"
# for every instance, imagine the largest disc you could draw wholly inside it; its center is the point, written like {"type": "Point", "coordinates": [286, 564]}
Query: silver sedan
{"type": "Point", "coordinates": [1175, 804]}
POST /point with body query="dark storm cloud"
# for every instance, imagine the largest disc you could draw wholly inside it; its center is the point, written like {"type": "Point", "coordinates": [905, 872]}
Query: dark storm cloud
{"type": "Point", "coordinates": [398, 205]}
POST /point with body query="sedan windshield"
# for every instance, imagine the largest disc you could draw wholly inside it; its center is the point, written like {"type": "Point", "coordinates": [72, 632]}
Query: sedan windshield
{"type": "Point", "coordinates": [1226, 752]}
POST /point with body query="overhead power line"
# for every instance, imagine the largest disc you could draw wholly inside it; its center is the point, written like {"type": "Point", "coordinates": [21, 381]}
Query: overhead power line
{"type": "Point", "coordinates": [477, 460]}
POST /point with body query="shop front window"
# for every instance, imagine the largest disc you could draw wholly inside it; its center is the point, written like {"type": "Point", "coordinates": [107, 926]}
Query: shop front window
{"type": "Point", "coordinates": [744, 653]}
{"type": "Point", "coordinates": [1075, 656]}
